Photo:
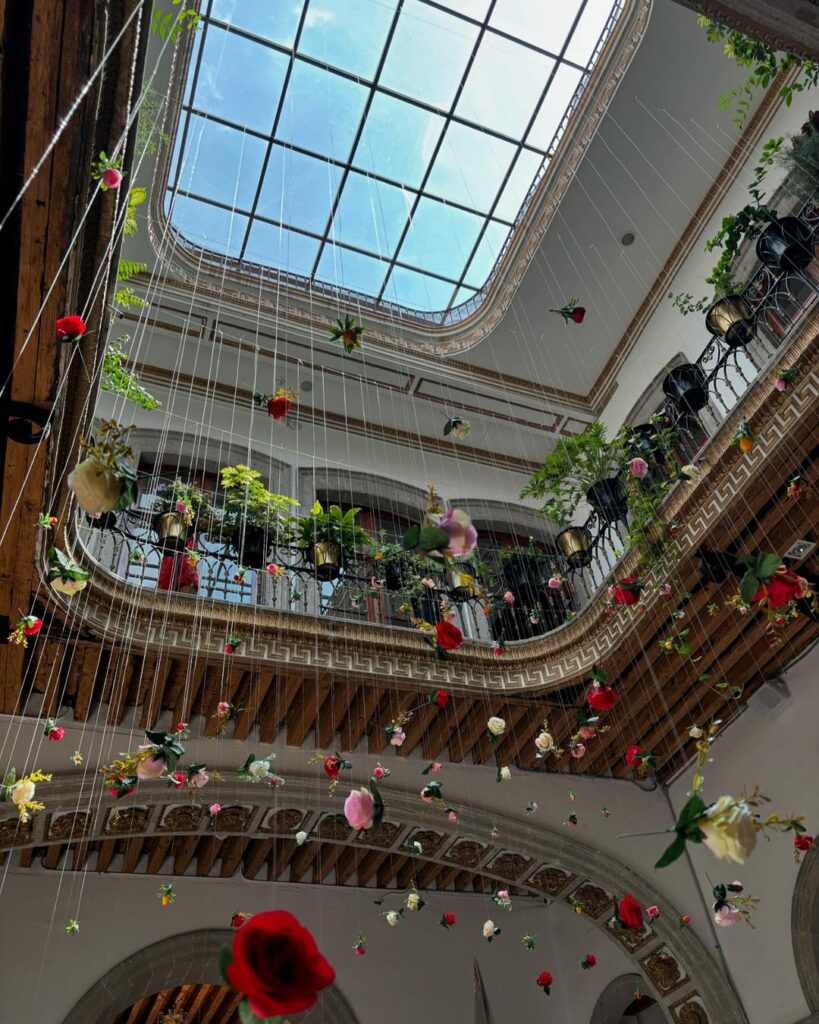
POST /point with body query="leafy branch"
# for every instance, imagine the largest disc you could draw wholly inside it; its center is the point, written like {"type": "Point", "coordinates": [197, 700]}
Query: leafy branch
{"type": "Point", "coordinates": [116, 379]}
{"type": "Point", "coordinates": [171, 24]}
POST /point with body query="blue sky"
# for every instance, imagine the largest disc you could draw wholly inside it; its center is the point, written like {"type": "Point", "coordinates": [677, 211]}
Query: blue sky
{"type": "Point", "coordinates": [314, 161]}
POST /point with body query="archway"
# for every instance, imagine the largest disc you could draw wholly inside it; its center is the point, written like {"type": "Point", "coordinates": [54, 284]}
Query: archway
{"type": "Point", "coordinates": [622, 1002]}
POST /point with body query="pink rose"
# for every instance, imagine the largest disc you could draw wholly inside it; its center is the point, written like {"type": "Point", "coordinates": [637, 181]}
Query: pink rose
{"type": "Point", "coordinates": [588, 732]}
{"type": "Point", "coordinates": [665, 589]}
{"type": "Point", "coordinates": [378, 772]}
{"type": "Point", "coordinates": [554, 583]}
{"type": "Point", "coordinates": [452, 816]}
{"type": "Point", "coordinates": [638, 467]}
{"type": "Point", "coordinates": [112, 177]}
{"type": "Point", "coordinates": [435, 767]}
{"type": "Point", "coordinates": [509, 597]}
{"type": "Point", "coordinates": [359, 809]}
{"type": "Point", "coordinates": [222, 708]}
{"type": "Point", "coordinates": [199, 779]}
{"type": "Point", "coordinates": [727, 916]}
{"type": "Point", "coordinates": [151, 767]}
{"type": "Point", "coordinates": [503, 894]}
{"type": "Point", "coordinates": [578, 750]}
{"type": "Point", "coordinates": [397, 738]}
{"type": "Point", "coordinates": [181, 507]}
{"type": "Point", "coordinates": [781, 384]}
{"type": "Point", "coordinates": [653, 912]}
{"type": "Point", "coordinates": [214, 809]}
{"type": "Point", "coordinates": [458, 526]}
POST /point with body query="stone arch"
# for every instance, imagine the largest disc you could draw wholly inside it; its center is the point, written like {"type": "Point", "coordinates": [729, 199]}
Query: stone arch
{"type": "Point", "coordinates": [192, 957]}
{"type": "Point", "coordinates": [805, 929]}
{"type": "Point", "coordinates": [617, 996]}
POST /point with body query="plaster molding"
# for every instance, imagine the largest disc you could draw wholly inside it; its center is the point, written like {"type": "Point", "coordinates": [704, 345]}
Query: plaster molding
{"type": "Point", "coordinates": [791, 26]}
{"type": "Point", "coordinates": [534, 847]}
{"type": "Point", "coordinates": [365, 650]}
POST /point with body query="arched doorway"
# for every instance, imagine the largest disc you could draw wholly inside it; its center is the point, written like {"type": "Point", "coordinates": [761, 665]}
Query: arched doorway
{"type": "Point", "coordinates": [622, 1002]}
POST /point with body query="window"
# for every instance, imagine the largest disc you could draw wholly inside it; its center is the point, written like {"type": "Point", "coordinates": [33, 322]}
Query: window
{"type": "Point", "coordinates": [377, 148]}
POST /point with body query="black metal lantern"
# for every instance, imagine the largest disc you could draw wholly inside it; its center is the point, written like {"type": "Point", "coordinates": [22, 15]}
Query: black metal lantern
{"type": "Point", "coordinates": [731, 318]}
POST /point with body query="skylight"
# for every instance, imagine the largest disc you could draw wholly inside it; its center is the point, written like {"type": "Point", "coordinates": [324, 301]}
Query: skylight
{"type": "Point", "coordinates": [386, 148]}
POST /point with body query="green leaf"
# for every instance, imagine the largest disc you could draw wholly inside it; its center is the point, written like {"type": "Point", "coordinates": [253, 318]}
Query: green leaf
{"type": "Point", "coordinates": [767, 565]}
{"type": "Point", "coordinates": [225, 957]}
{"type": "Point", "coordinates": [674, 851]}
{"type": "Point", "coordinates": [448, 428]}
{"type": "Point", "coordinates": [411, 538]}
{"type": "Point", "coordinates": [748, 587]}
{"type": "Point", "coordinates": [136, 197]}
{"type": "Point", "coordinates": [127, 269]}
{"type": "Point", "coordinates": [433, 538]}
{"type": "Point", "coordinates": [691, 812]}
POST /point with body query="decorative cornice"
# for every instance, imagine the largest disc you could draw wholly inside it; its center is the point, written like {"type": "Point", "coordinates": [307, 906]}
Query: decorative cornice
{"type": "Point", "coordinates": [365, 651]}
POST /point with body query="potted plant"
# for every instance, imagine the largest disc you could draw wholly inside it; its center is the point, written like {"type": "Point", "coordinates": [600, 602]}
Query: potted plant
{"type": "Point", "coordinates": [581, 467]}
{"type": "Point", "coordinates": [522, 569]}
{"type": "Point", "coordinates": [731, 317]}
{"type": "Point", "coordinates": [687, 387]}
{"type": "Point", "coordinates": [575, 545]}
{"type": "Point", "coordinates": [106, 479]}
{"type": "Point", "coordinates": [328, 539]}
{"type": "Point", "coordinates": [253, 516]}
{"type": "Point", "coordinates": [786, 245]}
{"type": "Point", "coordinates": [178, 506]}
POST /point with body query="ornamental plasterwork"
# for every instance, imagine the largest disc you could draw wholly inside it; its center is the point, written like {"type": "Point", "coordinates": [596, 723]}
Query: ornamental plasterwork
{"type": "Point", "coordinates": [399, 656]}
{"type": "Point", "coordinates": [523, 842]}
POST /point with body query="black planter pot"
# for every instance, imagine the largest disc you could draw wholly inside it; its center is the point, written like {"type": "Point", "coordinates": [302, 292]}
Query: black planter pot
{"type": "Point", "coordinates": [521, 574]}
{"type": "Point", "coordinates": [608, 499]}
{"type": "Point", "coordinates": [171, 531]}
{"type": "Point", "coordinates": [687, 388]}
{"type": "Point", "coordinates": [575, 544]}
{"type": "Point", "coordinates": [731, 318]}
{"type": "Point", "coordinates": [427, 607]}
{"type": "Point", "coordinates": [104, 521]}
{"type": "Point", "coordinates": [393, 577]}
{"type": "Point", "coordinates": [250, 543]}
{"type": "Point", "coordinates": [642, 444]}
{"type": "Point", "coordinates": [785, 245]}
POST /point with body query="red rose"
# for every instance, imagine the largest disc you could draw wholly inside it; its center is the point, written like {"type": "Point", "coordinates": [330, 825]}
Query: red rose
{"type": "Point", "coordinates": [279, 406]}
{"type": "Point", "coordinates": [544, 979]}
{"type": "Point", "coordinates": [177, 779]}
{"type": "Point", "coordinates": [782, 587]}
{"type": "Point", "coordinates": [69, 328]}
{"type": "Point", "coordinates": [803, 842]}
{"type": "Point", "coordinates": [450, 638]}
{"type": "Point", "coordinates": [56, 733]}
{"type": "Point", "coordinates": [602, 698]}
{"type": "Point", "coordinates": [275, 963]}
{"type": "Point", "coordinates": [441, 697]}
{"type": "Point", "coordinates": [627, 591]}
{"type": "Point", "coordinates": [591, 959]}
{"type": "Point", "coordinates": [332, 767]}
{"type": "Point", "coordinates": [238, 919]}
{"type": "Point", "coordinates": [449, 917]}
{"type": "Point", "coordinates": [579, 314]}
{"type": "Point", "coordinates": [629, 912]}
{"type": "Point", "coordinates": [633, 754]}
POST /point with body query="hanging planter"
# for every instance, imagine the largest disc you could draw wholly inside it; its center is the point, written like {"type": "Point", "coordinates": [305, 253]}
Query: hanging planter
{"type": "Point", "coordinates": [686, 386]}
{"type": "Point", "coordinates": [105, 481]}
{"type": "Point", "coordinates": [171, 531]}
{"type": "Point", "coordinates": [731, 318]}
{"type": "Point", "coordinates": [326, 559]}
{"type": "Point", "coordinates": [575, 544]}
{"type": "Point", "coordinates": [250, 543]}
{"type": "Point", "coordinates": [785, 245]}
{"type": "Point", "coordinates": [608, 499]}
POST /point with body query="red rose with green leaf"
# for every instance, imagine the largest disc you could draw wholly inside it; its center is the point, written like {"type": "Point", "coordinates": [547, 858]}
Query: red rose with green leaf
{"type": "Point", "coordinates": [629, 913]}
{"type": "Point", "coordinates": [448, 636]}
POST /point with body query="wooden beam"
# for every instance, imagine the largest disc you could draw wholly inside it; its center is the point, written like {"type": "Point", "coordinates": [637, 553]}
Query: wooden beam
{"type": "Point", "coordinates": [104, 854]}
{"type": "Point", "coordinates": [257, 855]}
{"type": "Point", "coordinates": [183, 853]}
{"type": "Point", "coordinates": [87, 664]}
{"type": "Point", "coordinates": [302, 715]}
{"type": "Point", "coordinates": [276, 705]}
{"type": "Point", "coordinates": [227, 691]}
{"type": "Point", "coordinates": [133, 853]}
{"type": "Point", "coordinates": [206, 854]}
{"type": "Point", "coordinates": [333, 711]}
{"type": "Point", "coordinates": [157, 854]}
{"type": "Point", "coordinates": [358, 717]}
{"type": "Point", "coordinates": [261, 684]}
{"type": "Point", "coordinates": [232, 853]}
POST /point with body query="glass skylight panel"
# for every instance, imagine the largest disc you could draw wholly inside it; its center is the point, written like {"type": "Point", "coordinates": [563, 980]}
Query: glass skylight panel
{"type": "Point", "coordinates": [298, 190]}
{"type": "Point", "coordinates": [239, 81]}
{"type": "Point", "coordinates": [276, 20]}
{"type": "Point", "coordinates": [378, 150]}
{"type": "Point", "coordinates": [349, 35]}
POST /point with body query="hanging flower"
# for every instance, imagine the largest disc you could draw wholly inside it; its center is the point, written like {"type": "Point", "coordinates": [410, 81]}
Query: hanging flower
{"type": "Point", "coordinates": [802, 842]}
{"type": "Point", "coordinates": [440, 698]}
{"type": "Point", "coordinates": [232, 644]}
{"type": "Point", "coordinates": [587, 732]}
{"type": "Point", "coordinates": [629, 913]}
{"type": "Point", "coordinates": [544, 742]}
{"type": "Point", "coordinates": [509, 597]}
{"type": "Point", "coordinates": [275, 571]}
{"type": "Point", "coordinates": [21, 792]}
{"type": "Point", "coordinates": [46, 521]}
{"type": "Point", "coordinates": [685, 920]}
{"type": "Point", "coordinates": [785, 377]}
{"type": "Point", "coordinates": [76, 758]}
{"type": "Point", "coordinates": [363, 808]}
{"type": "Point", "coordinates": [433, 768]}
{"type": "Point", "coordinates": [448, 636]}
{"type": "Point", "coordinates": [28, 626]}
{"type": "Point", "coordinates": [166, 894]}
{"type": "Point", "coordinates": [588, 961]}
{"type": "Point", "coordinates": [796, 489]}
{"type": "Point", "coordinates": [451, 816]}
{"type": "Point", "coordinates": [276, 965]}
{"type": "Point", "coordinates": [490, 931]}
{"type": "Point", "coordinates": [392, 917]}
{"type": "Point", "coordinates": [431, 792]}
{"type": "Point", "coordinates": [238, 918]}
{"type": "Point", "coordinates": [638, 467]}
{"type": "Point", "coordinates": [653, 912]}
{"type": "Point", "coordinates": [70, 328]}
{"type": "Point", "coordinates": [447, 919]}
{"type": "Point", "coordinates": [397, 736]}
{"type": "Point", "coordinates": [528, 942]}
{"type": "Point", "coordinates": [458, 527]}
{"type": "Point", "coordinates": [380, 772]}
{"type": "Point", "coordinates": [458, 427]}
{"type": "Point", "coordinates": [225, 713]}
{"type": "Point", "coordinates": [256, 769]}
{"type": "Point", "coordinates": [728, 829]}
{"type": "Point", "coordinates": [530, 807]}
{"type": "Point", "coordinates": [495, 727]}
{"type": "Point", "coordinates": [602, 698]}
{"type": "Point", "coordinates": [72, 927]}
{"type": "Point", "coordinates": [570, 820]}
{"type": "Point", "coordinates": [783, 586]}
{"type": "Point", "coordinates": [279, 403]}
{"type": "Point", "coordinates": [545, 981]}
{"type": "Point", "coordinates": [348, 332]}
{"type": "Point", "coordinates": [499, 648]}
{"type": "Point", "coordinates": [360, 947]}
{"type": "Point", "coordinates": [571, 311]}
{"type": "Point", "coordinates": [689, 473]}
{"type": "Point", "coordinates": [577, 749]}
{"type": "Point", "coordinates": [744, 438]}
{"type": "Point", "coordinates": [626, 591]}
{"type": "Point", "coordinates": [214, 809]}
{"type": "Point", "coordinates": [696, 733]}
{"type": "Point", "coordinates": [502, 899]}
{"type": "Point", "coordinates": [504, 774]}
{"type": "Point", "coordinates": [414, 900]}
{"type": "Point", "coordinates": [176, 779]}
{"type": "Point", "coordinates": [300, 837]}
{"type": "Point", "coordinates": [633, 753]}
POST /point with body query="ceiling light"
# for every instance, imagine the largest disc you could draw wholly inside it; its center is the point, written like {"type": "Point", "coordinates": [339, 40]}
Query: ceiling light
{"type": "Point", "coordinates": [627, 238]}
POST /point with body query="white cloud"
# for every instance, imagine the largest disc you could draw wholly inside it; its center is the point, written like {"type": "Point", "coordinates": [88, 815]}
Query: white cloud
{"type": "Point", "coordinates": [316, 16]}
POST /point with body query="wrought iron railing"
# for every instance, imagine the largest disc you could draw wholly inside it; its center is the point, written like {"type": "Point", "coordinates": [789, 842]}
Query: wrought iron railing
{"type": "Point", "coordinates": [128, 546]}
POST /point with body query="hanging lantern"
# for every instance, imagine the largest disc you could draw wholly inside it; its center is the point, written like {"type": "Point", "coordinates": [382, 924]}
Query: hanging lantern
{"type": "Point", "coordinates": [731, 318]}
{"type": "Point", "coordinates": [575, 544]}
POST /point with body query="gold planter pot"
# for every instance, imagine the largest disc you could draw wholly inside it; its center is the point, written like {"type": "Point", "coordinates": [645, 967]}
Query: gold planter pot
{"type": "Point", "coordinates": [171, 531]}
{"type": "Point", "coordinates": [326, 557]}
{"type": "Point", "coordinates": [575, 542]}
{"type": "Point", "coordinates": [462, 585]}
{"type": "Point", "coordinates": [731, 318]}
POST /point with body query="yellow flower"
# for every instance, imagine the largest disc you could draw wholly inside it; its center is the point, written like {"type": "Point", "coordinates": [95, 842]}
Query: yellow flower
{"type": "Point", "coordinates": [730, 833]}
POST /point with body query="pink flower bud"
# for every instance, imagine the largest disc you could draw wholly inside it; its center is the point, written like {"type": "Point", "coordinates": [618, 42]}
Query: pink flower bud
{"type": "Point", "coordinates": [112, 177]}
{"type": "Point", "coordinates": [509, 597]}
{"type": "Point", "coordinates": [554, 583]}
{"type": "Point", "coordinates": [452, 816]}
{"type": "Point", "coordinates": [781, 384]}
{"type": "Point", "coordinates": [653, 912]}
{"type": "Point", "coordinates": [214, 809]}
{"type": "Point", "coordinates": [638, 467]}
{"type": "Point", "coordinates": [578, 750]}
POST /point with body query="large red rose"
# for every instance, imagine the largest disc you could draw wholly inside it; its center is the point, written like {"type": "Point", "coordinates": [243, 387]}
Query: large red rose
{"type": "Point", "coordinates": [803, 842]}
{"type": "Point", "coordinates": [545, 980]}
{"type": "Point", "coordinates": [441, 698]}
{"type": "Point", "coordinates": [277, 965]}
{"type": "Point", "coordinates": [279, 406]}
{"type": "Point", "coordinates": [579, 314]}
{"type": "Point", "coordinates": [782, 587]}
{"type": "Point", "coordinates": [627, 591]}
{"type": "Point", "coordinates": [69, 327]}
{"type": "Point", "coordinates": [332, 767]}
{"type": "Point", "coordinates": [629, 912]}
{"type": "Point", "coordinates": [601, 698]}
{"type": "Point", "coordinates": [633, 754]}
{"type": "Point", "coordinates": [449, 637]}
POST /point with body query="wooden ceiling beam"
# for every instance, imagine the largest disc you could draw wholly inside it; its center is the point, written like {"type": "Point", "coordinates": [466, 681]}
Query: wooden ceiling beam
{"type": "Point", "coordinates": [328, 858]}
{"type": "Point", "coordinates": [232, 854]}
{"type": "Point", "coordinates": [133, 855]}
{"type": "Point", "coordinates": [256, 854]}
{"type": "Point", "coordinates": [276, 705]}
{"type": "Point", "coordinates": [437, 737]}
{"type": "Point", "coordinates": [207, 853]}
{"type": "Point", "coordinates": [106, 851]}
{"type": "Point", "coordinates": [228, 686]}
{"type": "Point", "coordinates": [283, 854]}
{"type": "Point", "coordinates": [157, 854]}
{"type": "Point", "coordinates": [261, 685]}
{"type": "Point", "coordinates": [336, 706]}
{"type": "Point", "coordinates": [183, 851]}
{"type": "Point", "coordinates": [302, 715]}
{"type": "Point", "coordinates": [359, 717]}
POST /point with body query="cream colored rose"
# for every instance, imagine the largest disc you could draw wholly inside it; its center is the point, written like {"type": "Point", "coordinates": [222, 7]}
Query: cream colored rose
{"type": "Point", "coordinates": [301, 838]}
{"type": "Point", "coordinates": [393, 917]}
{"type": "Point", "coordinates": [488, 929]}
{"type": "Point", "coordinates": [258, 770]}
{"type": "Point", "coordinates": [505, 774]}
{"type": "Point", "coordinates": [696, 733]}
{"type": "Point", "coordinates": [63, 585]}
{"type": "Point", "coordinates": [691, 473]}
{"type": "Point", "coordinates": [729, 829]}
{"type": "Point", "coordinates": [97, 488]}
{"type": "Point", "coordinates": [496, 726]}
{"type": "Point", "coordinates": [23, 792]}
{"type": "Point", "coordinates": [413, 901]}
{"type": "Point", "coordinates": [544, 742]}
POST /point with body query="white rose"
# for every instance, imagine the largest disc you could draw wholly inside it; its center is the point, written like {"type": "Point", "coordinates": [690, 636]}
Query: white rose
{"type": "Point", "coordinates": [544, 742]}
{"type": "Point", "coordinates": [301, 838]}
{"type": "Point", "coordinates": [393, 917]}
{"type": "Point", "coordinates": [729, 829]}
{"type": "Point", "coordinates": [413, 901]}
{"type": "Point", "coordinates": [67, 586]}
{"type": "Point", "coordinates": [488, 929]}
{"type": "Point", "coordinates": [505, 774]}
{"type": "Point", "coordinates": [496, 726]}
{"type": "Point", "coordinates": [258, 769]}
{"type": "Point", "coordinates": [691, 472]}
{"type": "Point", "coordinates": [23, 792]}
{"type": "Point", "coordinates": [461, 430]}
{"type": "Point", "coordinates": [695, 732]}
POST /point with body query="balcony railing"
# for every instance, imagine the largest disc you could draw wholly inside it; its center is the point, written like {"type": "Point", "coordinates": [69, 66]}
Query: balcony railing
{"type": "Point", "coordinates": [365, 589]}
